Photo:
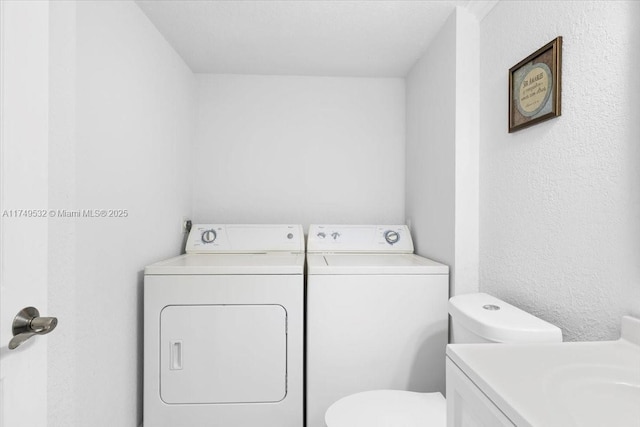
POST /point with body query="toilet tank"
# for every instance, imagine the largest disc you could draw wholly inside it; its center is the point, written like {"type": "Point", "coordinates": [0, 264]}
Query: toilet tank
{"type": "Point", "coordinates": [482, 318]}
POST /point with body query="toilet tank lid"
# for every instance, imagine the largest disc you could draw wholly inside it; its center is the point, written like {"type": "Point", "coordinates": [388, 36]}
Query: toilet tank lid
{"type": "Point", "coordinates": [498, 321]}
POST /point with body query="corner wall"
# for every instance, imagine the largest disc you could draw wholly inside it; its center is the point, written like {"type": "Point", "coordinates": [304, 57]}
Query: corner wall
{"type": "Point", "coordinates": [442, 151]}
{"type": "Point", "coordinates": [560, 201]}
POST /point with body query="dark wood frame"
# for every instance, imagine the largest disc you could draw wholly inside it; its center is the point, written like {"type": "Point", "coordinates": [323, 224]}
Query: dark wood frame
{"type": "Point", "coordinates": [554, 61]}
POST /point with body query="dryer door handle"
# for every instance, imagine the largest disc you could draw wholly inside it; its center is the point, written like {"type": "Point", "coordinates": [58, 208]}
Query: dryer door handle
{"type": "Point", "coordinates": [175, 355]}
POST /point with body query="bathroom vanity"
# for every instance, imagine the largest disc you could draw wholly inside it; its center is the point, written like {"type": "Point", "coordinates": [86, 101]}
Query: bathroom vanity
{"type": "Point", "coordinates": [581, 384]}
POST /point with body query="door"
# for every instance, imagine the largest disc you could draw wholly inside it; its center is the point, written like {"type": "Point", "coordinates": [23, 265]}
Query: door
{"type": "Point", "coordinates": [24, 87]}
{"type": "Point", "coordinates": [223, 354]}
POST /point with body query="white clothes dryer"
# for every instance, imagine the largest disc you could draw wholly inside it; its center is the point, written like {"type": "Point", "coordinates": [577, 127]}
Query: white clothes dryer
{"type": "Point", "coordinates": [223, 329]}
{"type": "Point", "coordinates": [376, 315]}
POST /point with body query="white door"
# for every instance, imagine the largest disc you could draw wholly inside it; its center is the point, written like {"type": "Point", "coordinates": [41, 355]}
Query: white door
{"type": "Point", "coordinates": [223, 354]}
{"type": "Point", "coordinates": [24, 76]}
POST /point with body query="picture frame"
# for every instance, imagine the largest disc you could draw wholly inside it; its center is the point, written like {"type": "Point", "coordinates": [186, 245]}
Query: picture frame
{"type": "Point", "coordinates": [535, 87]}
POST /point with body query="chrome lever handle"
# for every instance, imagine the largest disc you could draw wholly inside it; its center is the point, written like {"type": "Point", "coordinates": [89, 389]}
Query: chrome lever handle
{"type": "Point", "coordinates": [28, 323]}
{"type": "Point", "coordinates": [43, 325]}
{"type": "Point", "coordinates": [19, 339]}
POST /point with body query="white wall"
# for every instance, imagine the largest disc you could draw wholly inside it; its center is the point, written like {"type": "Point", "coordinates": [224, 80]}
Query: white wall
{"type": "Point", "coordinates": [129, 149]}
{"type": "Point", "coordinates": [282, 149]}
{"type": "Point", "coordinates": [467, 269]}
{"type": "Point", "coordinates": [560, 201]}
{"type": "Point", "coordinates": [441, 151]}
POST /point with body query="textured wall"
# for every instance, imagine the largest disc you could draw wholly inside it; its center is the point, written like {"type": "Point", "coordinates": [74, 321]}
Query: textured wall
{"type": "Point", "coordinates": [560, 201]}
{"type": "Point", "coordinates": [272, 149]}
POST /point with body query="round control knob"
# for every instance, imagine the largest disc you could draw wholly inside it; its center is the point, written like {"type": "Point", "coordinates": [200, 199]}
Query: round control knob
{"type": "Point", "coordinates": [391, 237]}
{"type": "Point", "coordinates": [209, 236]}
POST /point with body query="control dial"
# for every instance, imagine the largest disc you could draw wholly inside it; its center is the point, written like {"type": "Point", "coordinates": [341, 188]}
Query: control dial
{"type": "Point", "coordinates": [391, 237]}
{"type": "Point", "coordinates": [209, 236]}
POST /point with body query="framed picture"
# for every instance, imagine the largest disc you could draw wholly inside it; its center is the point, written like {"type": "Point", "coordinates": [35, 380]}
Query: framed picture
{"type": "Point", "coordinates": [534, 87]}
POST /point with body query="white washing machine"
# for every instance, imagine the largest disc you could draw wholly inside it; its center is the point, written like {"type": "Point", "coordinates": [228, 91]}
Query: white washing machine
{"type": "Point", "coordinates": [376, 315]}
{"type": "Point", "coordinates": [223, 330]}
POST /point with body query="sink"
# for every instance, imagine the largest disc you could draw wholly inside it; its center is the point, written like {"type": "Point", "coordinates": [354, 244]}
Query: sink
{"type": "Point", "coordinates": [569, 384]}
{"type": "Point", "coordinates": [595, 394]}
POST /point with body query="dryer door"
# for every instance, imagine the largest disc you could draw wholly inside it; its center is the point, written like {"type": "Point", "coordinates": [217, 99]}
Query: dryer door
{"type": "Point", "coordinates": [223, 353]}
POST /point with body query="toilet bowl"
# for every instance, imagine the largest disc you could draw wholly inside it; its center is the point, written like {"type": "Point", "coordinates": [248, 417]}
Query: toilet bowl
{"type": "Point", "coordinates": [475, 318]}
{"type": "Point", "coordinates": [388, 408]}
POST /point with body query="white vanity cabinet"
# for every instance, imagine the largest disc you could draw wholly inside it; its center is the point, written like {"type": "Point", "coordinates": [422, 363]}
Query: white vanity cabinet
{"type": "Point", "coordinates": [467, 405]}
{"type": "Point", "coordinates": [570, 384]}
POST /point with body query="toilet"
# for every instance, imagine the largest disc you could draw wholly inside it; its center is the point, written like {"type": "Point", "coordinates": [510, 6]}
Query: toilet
{"type": "Point", "coordinates": [475, 318]}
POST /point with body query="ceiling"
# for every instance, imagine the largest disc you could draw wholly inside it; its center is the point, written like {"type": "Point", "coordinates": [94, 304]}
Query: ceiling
{"type": "Point", "coordinates": [365, 38]}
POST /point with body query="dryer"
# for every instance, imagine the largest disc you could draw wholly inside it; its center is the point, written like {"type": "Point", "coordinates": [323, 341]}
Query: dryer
{"type": "Point", "coordinates": [376, 315]}
{"type": "Point", "coordinates": [223, 329]}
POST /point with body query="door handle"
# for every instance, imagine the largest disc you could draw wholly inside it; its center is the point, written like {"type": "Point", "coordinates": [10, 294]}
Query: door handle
{"type": "Point", "coordinates": [28, 323]}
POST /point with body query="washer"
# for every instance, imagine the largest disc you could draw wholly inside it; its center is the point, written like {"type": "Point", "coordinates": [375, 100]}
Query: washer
{"type": "Point", "coordinates": [223, 329]}
{"type": "Point", "coordinates": [376, 315]}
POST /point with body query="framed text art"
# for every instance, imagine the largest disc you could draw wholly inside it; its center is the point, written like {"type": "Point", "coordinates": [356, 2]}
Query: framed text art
{"type": "Point", "coordinates": [534, 87]}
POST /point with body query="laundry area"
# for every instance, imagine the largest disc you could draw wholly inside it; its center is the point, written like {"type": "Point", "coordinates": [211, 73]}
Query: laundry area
{"type": "Point", "coordinates": [226, 213]}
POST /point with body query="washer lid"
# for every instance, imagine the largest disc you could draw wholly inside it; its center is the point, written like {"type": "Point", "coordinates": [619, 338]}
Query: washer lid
{"type": "Point", "coordinates": [373, 264]}
{"type": "Point", "coordinates": [246, 264]}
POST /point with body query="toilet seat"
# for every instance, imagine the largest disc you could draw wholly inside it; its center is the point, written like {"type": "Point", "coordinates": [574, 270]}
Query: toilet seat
{"type": "Point", "coordinates": [388, 408]}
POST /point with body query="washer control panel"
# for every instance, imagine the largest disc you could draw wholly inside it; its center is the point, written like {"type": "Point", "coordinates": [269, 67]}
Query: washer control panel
{"type": "Point", "coordinates": [360, 238]}
{"type": "Point", "coordinates": [245, 238]}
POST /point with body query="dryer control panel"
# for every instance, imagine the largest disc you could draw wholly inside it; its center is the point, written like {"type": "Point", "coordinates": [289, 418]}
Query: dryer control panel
{"type": "Point", "coordinates": [245, 238]}
{"type": "Point", "coordinates": [360, 239]}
